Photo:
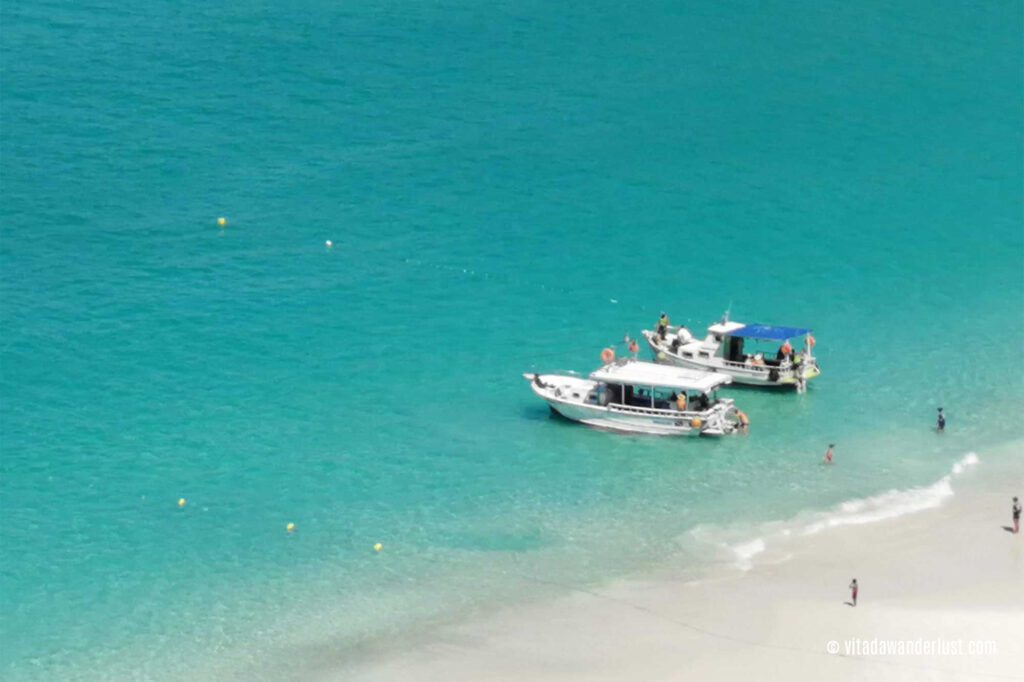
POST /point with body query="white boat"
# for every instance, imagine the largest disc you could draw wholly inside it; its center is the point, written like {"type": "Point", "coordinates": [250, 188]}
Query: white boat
{"type": "Point", "coordinates": [642, 397]}
{"type": "Point", "coordinates": [725, 350]}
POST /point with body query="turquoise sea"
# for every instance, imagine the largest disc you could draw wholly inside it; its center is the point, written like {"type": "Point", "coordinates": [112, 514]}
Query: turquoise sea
{"type": "Point", "coordinates": [508, 186]}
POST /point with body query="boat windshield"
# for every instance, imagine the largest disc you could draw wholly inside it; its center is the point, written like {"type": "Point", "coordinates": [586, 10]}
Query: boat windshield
{"type": "Point", "coordinates": [659, 398]}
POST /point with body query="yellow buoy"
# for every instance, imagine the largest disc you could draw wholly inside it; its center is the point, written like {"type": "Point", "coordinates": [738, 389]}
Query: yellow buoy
{"type": "Point", "coordinates": [695, 422]}
{"type": "Point", "coordinates": [181, 501]}
{"type": "Point", "coordinates": [222, 221]}
{"type": "Point", "coordinates": [376, 548]}
{"type": "Point", "coordinates": [290, 527]}
{"type": "Point", "coordinates": [661, 356]}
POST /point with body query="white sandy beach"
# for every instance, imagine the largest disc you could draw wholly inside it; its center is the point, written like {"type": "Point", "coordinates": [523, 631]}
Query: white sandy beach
{"type": "Point", "coordinates": [949, 577]}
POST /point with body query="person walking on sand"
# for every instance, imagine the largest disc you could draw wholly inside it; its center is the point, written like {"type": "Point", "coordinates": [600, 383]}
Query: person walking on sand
{"type": "Point", "coordinates": [853, 592]}
{"type": "Point", "coordinates": [828, 454]}
{"type": "Point", "coordinates": [1016, 516]}
{"type": "Point", "coordinates": [940, 425]}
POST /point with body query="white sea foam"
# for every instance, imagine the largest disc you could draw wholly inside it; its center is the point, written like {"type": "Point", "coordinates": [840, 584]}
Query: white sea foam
{"type": "Point", "coordinates": [887, 505]}
{"type": "Point", "coordinates": [893, 503]}
{"type": "Point", "coordinates": [970, 459]}
{"type": "Point", "coordinates": [747, 551]}
{"type": "Point", "coordinates": [739, 549]}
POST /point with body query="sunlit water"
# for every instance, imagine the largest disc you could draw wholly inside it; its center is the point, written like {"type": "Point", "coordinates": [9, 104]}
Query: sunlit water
{"type": "Point", "coordinates": [507, 187]}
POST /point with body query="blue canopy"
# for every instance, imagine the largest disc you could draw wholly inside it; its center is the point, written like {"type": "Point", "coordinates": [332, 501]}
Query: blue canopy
{"type": "Point", "coordinates": [767, 331]}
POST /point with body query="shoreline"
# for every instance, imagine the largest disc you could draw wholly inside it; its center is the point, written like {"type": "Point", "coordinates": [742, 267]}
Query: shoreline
{"type": "Point", "coordinates": [946, 572]}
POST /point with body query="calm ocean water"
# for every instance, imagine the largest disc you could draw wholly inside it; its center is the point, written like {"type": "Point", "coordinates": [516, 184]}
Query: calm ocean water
{"type": "Point", "coordinates": [507, 186]}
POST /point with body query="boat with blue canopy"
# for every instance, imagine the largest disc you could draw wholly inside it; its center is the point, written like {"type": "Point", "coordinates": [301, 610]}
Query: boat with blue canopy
{"type": "Point", "coordinates": [752, 354]}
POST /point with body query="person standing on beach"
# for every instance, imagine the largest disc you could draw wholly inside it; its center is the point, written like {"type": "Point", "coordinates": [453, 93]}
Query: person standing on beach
{"type": "Point", "coordinates": [941, 424]}
{"type": "Point", "coordinates": [1016, 516]}
{"type": "Point", "coordinates": [853, 592]}
{"type": "Point", "coordinates": [828, 454]}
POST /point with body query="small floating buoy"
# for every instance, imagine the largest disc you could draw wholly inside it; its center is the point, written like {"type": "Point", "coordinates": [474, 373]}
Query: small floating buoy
{"type": "Point", "coordinates": [695, 422]}
{"type": "Point", "coordinates": [376, 548]}
{"type": "Point", "coordinates": [222, 221]}
{"type": "Point", "coordinates": [328, 243]}
{"type": "Point", "coordinates": [181, 501]}
{"type": "Point", "coordinates": [290, 527]}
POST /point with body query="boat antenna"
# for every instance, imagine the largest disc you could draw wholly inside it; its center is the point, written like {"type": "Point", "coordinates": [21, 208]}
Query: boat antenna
{"type": "Point", "coordinates": [725, 316]}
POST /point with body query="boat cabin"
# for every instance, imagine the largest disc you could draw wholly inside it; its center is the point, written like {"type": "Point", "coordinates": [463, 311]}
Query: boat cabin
{"type": "Point", "coordinates": [735, 342]}
{"type": "Point", "coordinates": [655, 387]}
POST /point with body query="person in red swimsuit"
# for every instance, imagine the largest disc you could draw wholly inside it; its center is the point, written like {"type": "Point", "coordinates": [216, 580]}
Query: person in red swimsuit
{"type": "Point", "coordinates": [853, 591]}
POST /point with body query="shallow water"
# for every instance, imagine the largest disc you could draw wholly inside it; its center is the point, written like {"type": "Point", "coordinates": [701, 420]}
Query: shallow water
{"type": "Point", "coordinates": [506, 188]}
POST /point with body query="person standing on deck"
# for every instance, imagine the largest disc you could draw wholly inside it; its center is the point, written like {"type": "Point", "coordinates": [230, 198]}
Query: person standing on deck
{"type": "Point", "coordinates": [681, 404]}
{"type": "Point", "coordinates": [662, 326]}
{"type": "Point", "coordinates": [940, 425]}
{"type": "Point", "coordinates": [784, 350]}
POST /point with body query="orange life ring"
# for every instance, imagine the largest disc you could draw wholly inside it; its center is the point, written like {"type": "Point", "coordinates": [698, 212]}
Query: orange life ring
{"type": "Point", "coordinates": [607, 355]}
{"type": "Point", "coordinates": [695, 422]}
{"type": "Point", "coordinates": [809, 340]}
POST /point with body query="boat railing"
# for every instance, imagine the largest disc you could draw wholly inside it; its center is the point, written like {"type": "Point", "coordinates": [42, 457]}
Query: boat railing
{"type": "Point", "coordinates": [659, 412]}
{"type": "Point", "coordinates": [788, 367]}
{"type": "Point", "coordinates": [782, 369]}
{"type": "Point", "coordinates": [756, 368]}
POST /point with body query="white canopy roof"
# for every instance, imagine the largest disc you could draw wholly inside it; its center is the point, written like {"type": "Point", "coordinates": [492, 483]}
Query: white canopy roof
{"type": "Point", "coordinates": [725, 327]}
{"type": "Point", "coordinates": [639, 373]}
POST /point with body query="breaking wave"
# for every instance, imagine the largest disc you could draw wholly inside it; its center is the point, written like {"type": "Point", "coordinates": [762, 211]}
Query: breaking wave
{"type": "Point", "coordinates": [739, 553]}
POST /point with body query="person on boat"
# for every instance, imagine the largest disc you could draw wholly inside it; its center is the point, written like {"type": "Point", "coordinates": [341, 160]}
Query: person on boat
{"type": "Point", "coordinates": [828, 453]}
{"type": "Point", "coordinates": [941, 423]}
{"type": "Point", "coordinates": [784, 350]}
{"type": "Point", "coordinates": [681, 402]}
{"type": "Point", "coordinates": [1016, 516]}
{"type": "Point", "coordinates": [662, 326]}
{"type": "Point", "coordinates": [683, 334]}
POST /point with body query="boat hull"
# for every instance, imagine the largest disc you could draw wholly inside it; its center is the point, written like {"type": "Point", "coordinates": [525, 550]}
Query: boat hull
{"type": "Point", "coordinates": [568, 397]}
{"type": "Point", "coordinates": [749, 375]}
